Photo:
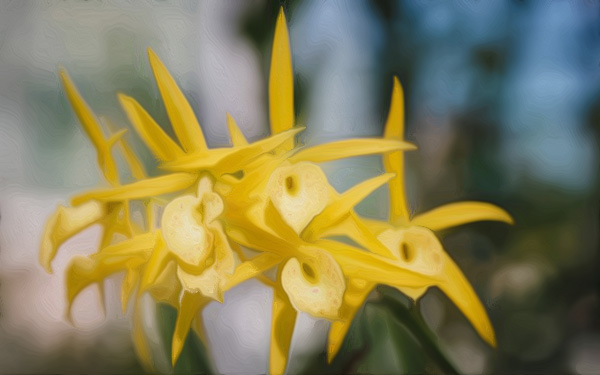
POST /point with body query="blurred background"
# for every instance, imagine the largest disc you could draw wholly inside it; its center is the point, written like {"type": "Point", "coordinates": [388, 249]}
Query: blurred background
{"type": "Point", "coordinates": [502, 100]}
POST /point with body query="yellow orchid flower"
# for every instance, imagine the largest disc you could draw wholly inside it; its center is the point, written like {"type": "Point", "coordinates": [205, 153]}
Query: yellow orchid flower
{"type": "Point", "coordinates": [412, 243]}
{"type": "Point", "coordinates": [270, 196]}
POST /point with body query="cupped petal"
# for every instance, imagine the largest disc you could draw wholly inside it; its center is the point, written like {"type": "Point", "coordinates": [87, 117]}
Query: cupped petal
{"type": "Point", "coordinates": [459, 213]}
{"type": "Point", "coordinates": [184, 230]}
{"type": "Point", "coordinates": [155, 138]}
{"type": "Point", "coordinates": [281, 82]}
{"type": "Point", "coordinates": [180, 112]}
{"type": "Point", "coordinates": [140, 189]}
{"type": "Point", "coordinates": [349, 148]}
{"type": "Point", "coordinates": [314, 285]}
{"type": "Point", "coordinates": [64, 223]}
{"type": "Point", "coordinates": [299, 192]}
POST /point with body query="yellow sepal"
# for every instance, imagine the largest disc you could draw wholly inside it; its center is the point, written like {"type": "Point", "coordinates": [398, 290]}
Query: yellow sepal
{"type": "Point", "coordinates": [64, 223]}
{"type": "Point", "coordinates": [283, 322]}
{"type": "Point", "coordinates": [180, 112]}
{"type": "Point", "coordinates": [161, 145]}
{"type": "Point", "coordinates": [349, 148]}
{"type": "Point", "coordinates": [190, 305]}
{"type": "Point", "coordinates": [455, 214]}
{"type": "Point", "coordinates": [140, 189]}
{"type": "Point", "coordinates": [281, 82]}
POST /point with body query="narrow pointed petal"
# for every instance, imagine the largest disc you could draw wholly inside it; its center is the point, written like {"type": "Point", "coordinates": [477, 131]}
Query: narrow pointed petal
{"type": "Point", "coordinates": [191, 303]}
{"type": "Point", "coordinates": [356, 293]}
{"type": "Point", "coordinates": [64, 223]}
{"type": "Point", "coordinates": [376, 226]}
{"type": "Point", "coordinates": [343, 206]}
{"type": "Point", "coordinates": [92, 128]}
{"type": "Point", "coordinates": [394, 161]}
{"type": "Point", "coordinates": [251, 268]}
{"type": "Point", "coordinates": [282, 328]}
{"type": "Point", "coordinates": [281, 82]}
{"type": "Point", "coordinates": [156, 264]}
{"type": "Point", "coordinates": [140, 189]}
{"type": "Point", "coordinates": [180, 112]}
{"type": "Point", "coordinates": [140, 341]}
{"type": "Point", "coordinates": [455, 214]}
{"type": "Point", "coordinates": [230, 159]}
{"type": "Point", "coordinates": [349, 148]}
{"type": "Point", "coordinates": [129, 283]}
{"type": "Point", "coordinates": [161, 145]}
{"type": "Point", "coordinates": [139, 245]}
{"type": "Point", "coordinates": [166, 287]}
{"type": "Point", "coordinates": [459, 290]}
{"type": "Point", "coordinates": [354, 228]}
{"type": "Point", "coordinates": [237, 137]}
{"type": "Point", "coordinates": [374, 268]}
{"type": "Point", "coordinates": [83, 271]}
{"type": "Point", "coordinates": [133, 162]}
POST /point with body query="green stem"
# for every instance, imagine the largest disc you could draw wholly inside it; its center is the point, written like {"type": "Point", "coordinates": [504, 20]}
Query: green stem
{"type": "Point", "coordinates": [412, 320]}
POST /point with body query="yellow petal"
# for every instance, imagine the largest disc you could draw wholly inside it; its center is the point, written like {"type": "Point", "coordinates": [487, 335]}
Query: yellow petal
{"type": "Point", "coordinates": [394, 161]}
{"type": "Point", "coordinates": [460, 291]}
{"type": "Point", "coordinates": [64, 223]}
{"type": "Point", "coordinates": [356, 293]}
{"type": "Point", "coordinates": [371, 267]}
{"type": "Point", "coordinates": [418, 249]}
{"type": "Point", "coordinates": [211, 280]}
{"type": "Point", "coordinates": [180, 112]}
{"type": "Point", "coordinates": [237, 137]}
{"type": "Point", "coordinates": [349, 148]}
{"type": "Point", "coordinates": [354, 228]}
{"type": "Point", "coordinates": [131, 247]}
{"type": "Point", "coordinates": [184, 230]}
{"type": "Point", "coordinates": [281, 82]}
{"type": "Point", "coordinates": [129, 283]}
{"type": "Point", "coordinates": [314, 285]}
{"type": "Point", "coordinates": [191, 304]}
{"type": "Point", "coordinates": [299, 192]}
{"type": "Point", "coordinates": [135, 165]}
{"type": "Point", "coordinates": [156, 264]}
{"type": "Point", "coordinates": [229, 160]}
{"type": "Point", "coordinates": [282, 328]}
{"type": "Point", "coordinates": [140, 189]}
{"type": "Point", "coordinates": [343, 206]}
{"type": "Point", "coordinates": [83, 271]}
{"type": "Point", "coordinates": [92, 128]}
{"type": "Point", "coordinates": [376, 226]}
{"type": "Point", "coordinates": [166, 287]}
{"type": "Point", "coordinates": [251, 268]}
{"type": "Point", "coordinates": [454, 214]}
{"type": "Point", "coordinates": [161, 145]}
{"type": "Point", "coordinates": [139, 340]}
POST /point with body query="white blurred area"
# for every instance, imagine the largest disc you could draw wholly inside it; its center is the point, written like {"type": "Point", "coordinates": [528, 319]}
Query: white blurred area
{"type": "Point", "coordinates": [45, 158]}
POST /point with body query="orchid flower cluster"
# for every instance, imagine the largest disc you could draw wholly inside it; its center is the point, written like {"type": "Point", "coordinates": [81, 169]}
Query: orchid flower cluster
{"type": "Point", "coordinates": [261, 210]}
